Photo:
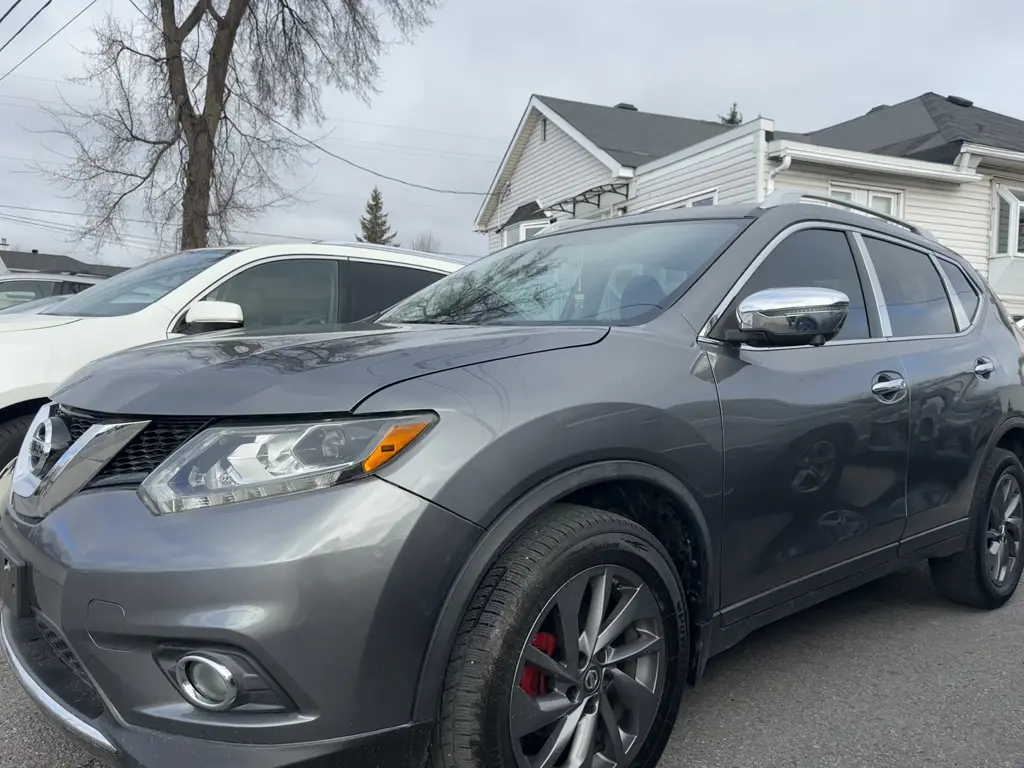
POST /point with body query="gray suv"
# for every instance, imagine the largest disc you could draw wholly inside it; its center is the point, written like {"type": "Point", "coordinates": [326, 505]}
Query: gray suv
{"type": "Point", "coordinates": [503, 523]}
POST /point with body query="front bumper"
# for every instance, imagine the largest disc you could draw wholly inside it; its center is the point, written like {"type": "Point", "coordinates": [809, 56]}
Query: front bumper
{"type": "Point", "coordinates": [332, 595]}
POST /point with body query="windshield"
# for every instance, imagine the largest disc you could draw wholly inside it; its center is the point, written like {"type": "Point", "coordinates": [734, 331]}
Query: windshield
{"type": "Point", "coordinates": [612, 275]}
{"type": "Point", "coordinates": [139, 287]}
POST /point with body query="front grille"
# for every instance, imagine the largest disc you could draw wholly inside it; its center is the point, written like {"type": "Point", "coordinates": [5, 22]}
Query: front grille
{"type": "Point", "coordinates": [147, 450]}
{"type": "Point", "coordinates": [61, 649]}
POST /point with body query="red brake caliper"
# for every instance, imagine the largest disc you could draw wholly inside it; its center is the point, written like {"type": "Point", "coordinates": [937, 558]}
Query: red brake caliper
{"type": "Point", "coordinates": [534, 681]}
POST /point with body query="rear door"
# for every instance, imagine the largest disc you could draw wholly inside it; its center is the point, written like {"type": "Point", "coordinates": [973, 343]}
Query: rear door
{"type": "Point", "coordinates": [374, 286]}
{"type": "Point", "coordinates": [932, 308]}
{"type": "Point", "coordinates": [815, 451]}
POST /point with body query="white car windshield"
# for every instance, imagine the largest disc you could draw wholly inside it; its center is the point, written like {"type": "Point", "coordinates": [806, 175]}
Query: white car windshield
{"type": "Point", "coordinates": [139, 287]}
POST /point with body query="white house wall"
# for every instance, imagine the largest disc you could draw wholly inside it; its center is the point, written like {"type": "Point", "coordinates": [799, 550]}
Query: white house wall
{"type": "Point", "coordinates": [958, 215]}
{"type": "Point", "coordinates": [731, 169]}
{"type": "Point", "coordinates": [548, 170]}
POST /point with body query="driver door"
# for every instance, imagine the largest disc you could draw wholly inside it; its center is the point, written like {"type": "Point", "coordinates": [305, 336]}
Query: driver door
{"type": "Point", "coordinates": [815, 462]}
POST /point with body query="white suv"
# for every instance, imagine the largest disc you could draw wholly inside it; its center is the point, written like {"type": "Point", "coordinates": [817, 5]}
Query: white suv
{"type": "Point", "coordinates": [315, 284]}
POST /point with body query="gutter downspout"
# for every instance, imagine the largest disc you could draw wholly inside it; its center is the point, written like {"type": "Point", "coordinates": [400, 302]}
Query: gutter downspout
{"type": "Point", "coordinates": [783, 166]}
{"type": "Point", "coordinates": [963, 164]}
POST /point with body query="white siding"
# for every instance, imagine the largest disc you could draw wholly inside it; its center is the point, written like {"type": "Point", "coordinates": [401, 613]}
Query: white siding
{"type": "Point", "coordinates": [958, 215]}
{"type": "Point", "coordinates": [549, 170]}
{"type": "Point", "coordinates": [730, 168]}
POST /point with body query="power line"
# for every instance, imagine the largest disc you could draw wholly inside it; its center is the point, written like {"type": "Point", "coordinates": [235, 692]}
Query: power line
{"type": "Point", "coordinates": [329, 118]}
{"type": "Point", "coordinates": [39, 47]}
{"type": "Point", "coordinates": [25, 25]}
{"type": "Point", "coordinates": [328, 152]}
{"type": "Point", "coordinates": [414, 150]}
{"type": "Point", "coordinates": [8, 11]}
{"type": "Point", "coordinates": [152, 222]}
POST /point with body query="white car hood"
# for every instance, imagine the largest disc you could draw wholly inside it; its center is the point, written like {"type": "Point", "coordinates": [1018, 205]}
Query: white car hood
{"type": "Point", "coordinates": [33, 322]}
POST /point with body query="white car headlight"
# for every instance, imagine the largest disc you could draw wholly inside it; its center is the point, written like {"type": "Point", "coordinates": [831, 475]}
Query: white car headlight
{"type": "Point", "coordinates": [226, 464]}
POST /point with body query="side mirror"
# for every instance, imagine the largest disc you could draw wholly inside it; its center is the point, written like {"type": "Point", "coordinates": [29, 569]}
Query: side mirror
{"type": "Point", "coordinates": [790, 316]}
{"type": "Point", "coordinates": [207, 316]}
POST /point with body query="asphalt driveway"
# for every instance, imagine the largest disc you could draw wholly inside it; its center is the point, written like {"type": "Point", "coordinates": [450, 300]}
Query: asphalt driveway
{"type": "Point", "coordinates": [888, 675]}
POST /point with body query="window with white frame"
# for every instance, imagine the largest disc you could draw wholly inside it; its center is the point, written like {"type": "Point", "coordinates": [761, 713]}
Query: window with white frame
{"type": "Point", "coordinates": [1010, 222]}
{"type": "Point", "coordinates": [887, 201]}
{"type": "Point", "coordinates": [525, 231]}
{"type": "Point", "coordinates": [707, 197]}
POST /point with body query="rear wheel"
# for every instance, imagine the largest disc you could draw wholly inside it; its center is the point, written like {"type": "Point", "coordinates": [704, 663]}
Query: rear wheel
{"type": "Point", "coordinates": [572, 653]}
{"type": "Point", "coordinates": [986, 573]}
{"type": "Point", "coordinates": [12, 433]}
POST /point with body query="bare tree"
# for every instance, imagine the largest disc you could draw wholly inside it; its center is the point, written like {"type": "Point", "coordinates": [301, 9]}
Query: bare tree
{"type": "Point", "coordinates": [426, 242]}
{"type": "Point", "coordinates": [196, 100]}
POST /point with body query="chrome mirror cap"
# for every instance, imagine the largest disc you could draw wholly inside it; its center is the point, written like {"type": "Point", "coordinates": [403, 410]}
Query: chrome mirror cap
{"type": "Point", "coordinates": [791, 316]}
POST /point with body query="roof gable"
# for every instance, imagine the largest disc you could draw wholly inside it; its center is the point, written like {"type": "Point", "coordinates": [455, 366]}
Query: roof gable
{"type": "Point", "coordinates": [921, 127]}
{"type": "Point", "coordinates": [630, 136]}
{"type": "Point", "coordinates": [974, 124]}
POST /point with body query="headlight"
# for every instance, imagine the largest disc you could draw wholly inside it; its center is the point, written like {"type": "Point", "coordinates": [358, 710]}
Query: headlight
{"type": "Point", "coordinates": [225, 464]}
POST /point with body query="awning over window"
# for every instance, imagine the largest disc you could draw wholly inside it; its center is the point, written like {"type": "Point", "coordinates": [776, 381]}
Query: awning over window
{"type": "Point", "coordinates": [591, 200]}
{"type": "Point", "coordinates": [526, 212]}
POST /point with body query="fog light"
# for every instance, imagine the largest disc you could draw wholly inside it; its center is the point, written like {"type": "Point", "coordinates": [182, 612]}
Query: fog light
{"type": "Point", "coordinates": [205, 683]}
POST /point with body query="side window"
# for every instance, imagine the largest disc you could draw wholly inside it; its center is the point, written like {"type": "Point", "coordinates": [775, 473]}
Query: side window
{"type": "Point", "coordinates": [285, 292]}
{"type": "Point", "coordinates": [912, 290]}
{"type": "Point", "coordinates": [14, 292]}
{"type": "Point", "coordinates": [71, 288]}
{"type": "Point", "coordinates": [375, 287]}
{"type": "Point", "coordinates": [962, 287]}
{"type": "Point", "coordinates": [48, 287]}
{"type": "Point", "coordinates": [813, 258]}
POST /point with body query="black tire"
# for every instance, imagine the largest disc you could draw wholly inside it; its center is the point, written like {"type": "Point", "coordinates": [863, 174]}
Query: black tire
{"type": "Point", "coordinates": [12, 433]}
{"type": "Point", "coordinates": [965, 577]}
{"type": "Point", "coordinates": [561, 548]}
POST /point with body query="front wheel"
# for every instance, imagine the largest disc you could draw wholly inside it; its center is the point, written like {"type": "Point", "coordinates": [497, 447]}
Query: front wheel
{"type": "Point", "coordinates": [12, 433]}
{"type": "Point", "coordinates": [986, 573]}
{"type": "Point", "coordinates": [572, 654]}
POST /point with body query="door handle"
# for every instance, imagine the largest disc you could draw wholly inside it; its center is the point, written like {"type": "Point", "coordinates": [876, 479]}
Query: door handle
{"type": "Point", "coordinates": [888, 387]}
{"type": "Point", "coordinates": [983, 366]}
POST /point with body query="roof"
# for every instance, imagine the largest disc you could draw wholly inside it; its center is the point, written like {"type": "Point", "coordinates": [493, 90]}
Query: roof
{"type": "Point", "coordinates": [630, 136]}
{"type": "Point", "coordinates": [927, 127]}
{"type": "Point", "coordinates": [29, 276]}
{"type": "Point", "coordinates": [52, 262]}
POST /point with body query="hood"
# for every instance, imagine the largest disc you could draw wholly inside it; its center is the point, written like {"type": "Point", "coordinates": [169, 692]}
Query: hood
{"type": "Point", "coordinates": [264, 374]}
{"type": "Point", "coordinates": [32, 322]}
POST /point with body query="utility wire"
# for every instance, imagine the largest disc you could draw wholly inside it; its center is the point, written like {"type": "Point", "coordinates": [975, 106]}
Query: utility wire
{"type": "Point", "coordinates": [23, 26]}
{"type": "Point", "coordinates": [326, 151]}
{"type": "Point", "coordinates": [39, 47]}
{"type": "Point", "coordinates": [8, 11]}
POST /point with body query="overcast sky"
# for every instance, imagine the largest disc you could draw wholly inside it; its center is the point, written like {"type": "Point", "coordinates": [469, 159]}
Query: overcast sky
{"type": "Point", "coordinates": [450, 102]}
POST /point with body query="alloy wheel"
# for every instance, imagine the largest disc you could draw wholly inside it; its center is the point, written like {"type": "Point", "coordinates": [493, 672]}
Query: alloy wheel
{"type": "Point", "coordinates": [1005, 524]}
{"type": "Point", "coordinates": [590, 681]}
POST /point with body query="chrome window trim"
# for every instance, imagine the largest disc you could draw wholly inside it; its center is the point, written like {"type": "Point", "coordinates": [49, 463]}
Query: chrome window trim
{"type": "Point", "coordinates": [873, 283]}
{"type": "Point", "coordinates": [959, 315]}
{"type": "Point", "coordinates": [977, 292]}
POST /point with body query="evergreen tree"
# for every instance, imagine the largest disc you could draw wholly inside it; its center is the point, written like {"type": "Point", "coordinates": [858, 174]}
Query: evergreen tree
{"type": "Point", "coordinates": [374, 225]}
{"type": "Point", "coordinates": [735, 117]}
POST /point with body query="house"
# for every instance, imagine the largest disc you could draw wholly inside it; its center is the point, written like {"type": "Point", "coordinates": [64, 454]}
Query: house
{"type": "Point", "coordinates": [938, 161]}
{"type": "Point", "coordinates": [22, 261]}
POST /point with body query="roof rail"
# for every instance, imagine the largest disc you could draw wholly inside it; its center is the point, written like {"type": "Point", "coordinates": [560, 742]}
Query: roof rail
{"type": "Point", "coordinates": [793, 196]}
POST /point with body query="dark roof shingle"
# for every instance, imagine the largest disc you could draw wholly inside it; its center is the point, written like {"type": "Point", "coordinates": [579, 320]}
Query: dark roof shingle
{"type": "Point", "coordinates": [633, 137]}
